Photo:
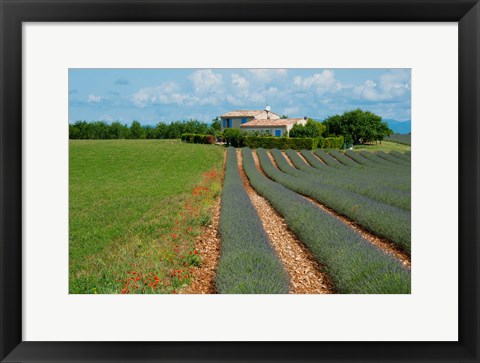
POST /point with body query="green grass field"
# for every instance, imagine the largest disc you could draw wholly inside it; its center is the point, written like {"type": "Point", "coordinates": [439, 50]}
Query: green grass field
{"type": "Point", "coordinates": [135, 209]}
{"type": "Point", "coordinates": [385, 146]}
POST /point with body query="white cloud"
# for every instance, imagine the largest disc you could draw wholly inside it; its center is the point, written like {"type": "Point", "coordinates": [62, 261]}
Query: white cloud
{"type": "Point", "coordinates": [170, 93]}
{"type": "Point", "coordinates": [316, 94]}
{"type": "Point", "coordinates": [206, 80]}
{"type": "Point", "coordinates": [372, 94]}
{"type": "Point", "coordinates": [271, 91]}
{"type": "Point", "coordinates": [291, 111]}
{"type": "Point", "coordinates": [257, 98]}
{"type": "Point", "coordinates": [393, 84]}
{"type": "Point", "coordinates": [163, 94]}
{"type": "Point", "coordinates": [266, 75]}
{"type": "Point", "coordinates": [234, 100]}
{"type": "Point", "coordinates": [240, 82]}
{"type": "Point", "coordinates": [94, 99]}
{"type": "Point", "coordinates": [395, 80]}
{"type": "Point", "coordinates": [318, 82]}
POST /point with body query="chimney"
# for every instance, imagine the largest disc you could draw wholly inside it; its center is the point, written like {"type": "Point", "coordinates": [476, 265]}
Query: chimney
{"type": "Point", "coordinates": [267, 108]}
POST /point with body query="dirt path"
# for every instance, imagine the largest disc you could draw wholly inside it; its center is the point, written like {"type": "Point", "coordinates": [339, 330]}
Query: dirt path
{"type": "Point", "coordinates": [382, 243]}
{"type": "Point", "coordinates": [208, 247]}
{"type": "Point", "coordinates": [288, 159]}
{"type": "Point", "coordinates": [302, 267]}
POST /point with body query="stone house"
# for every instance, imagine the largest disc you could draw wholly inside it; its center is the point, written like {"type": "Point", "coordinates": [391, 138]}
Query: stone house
{"type": "Point", "coordinates": [263, 121]}
{"type": "Point", "coordinates": [234, 119]}
{"type": "Point", "coordinates": [276, 127]}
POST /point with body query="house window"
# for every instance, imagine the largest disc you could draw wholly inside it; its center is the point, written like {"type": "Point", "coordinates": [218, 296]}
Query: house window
{"type": "Point", "coordinates": [278, 133]}
{"type": "Point", "coordinates": [244, 120]}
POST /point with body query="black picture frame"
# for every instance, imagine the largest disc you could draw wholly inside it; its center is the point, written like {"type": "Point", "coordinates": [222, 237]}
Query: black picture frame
{"type": "Point", "coordinates": [14, 12]}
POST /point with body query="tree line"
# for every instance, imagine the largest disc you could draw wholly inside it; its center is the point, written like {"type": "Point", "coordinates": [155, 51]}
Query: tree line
{"type": "Point", "coordinates": [356, 126]}
{"type": "Point", "coordinates": [117, 130]}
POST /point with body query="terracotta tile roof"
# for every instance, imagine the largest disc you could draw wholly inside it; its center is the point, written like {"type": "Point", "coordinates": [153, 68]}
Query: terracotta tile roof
{"type": "Point", "coordinates": [272, 123]}
{"type": "Point", "coordinates": [244, 113]}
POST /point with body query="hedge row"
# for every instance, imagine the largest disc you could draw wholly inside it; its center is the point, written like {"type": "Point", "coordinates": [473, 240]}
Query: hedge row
{"type": "Point", "coordinates": [198, 138]}
{"type": "Point", "coordinates": [248, 264]}
{"type": "Point", "coordinates": [239, 138]}
{"type": "Point", "coordinates": [375, 191]}
{"type": "Point", "coordinates": [382, 219]}
{"type": "Point", "coordinates": [333, 142]}
{"type": "Point", "coordinates": [283, 143]}
{"type": "Point", "coordinates": [355, 265]}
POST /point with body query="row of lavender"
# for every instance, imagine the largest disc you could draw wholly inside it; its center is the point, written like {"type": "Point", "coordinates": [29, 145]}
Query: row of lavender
{"type": "Point", "coordinates": [385, 220]}
{"type": "Point", "coordinates": [360, 182]}
{"type": "Point", "coordinates": [248, 263]}
{"type": "Point", "coordinates": [354, 264]}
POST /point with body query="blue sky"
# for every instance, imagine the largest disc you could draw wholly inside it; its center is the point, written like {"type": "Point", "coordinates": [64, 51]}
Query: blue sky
{"type": "Point", "coordinates": [164, 95]}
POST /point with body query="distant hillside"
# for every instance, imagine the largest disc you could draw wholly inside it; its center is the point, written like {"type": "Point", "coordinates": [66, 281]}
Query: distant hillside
{"type": "Point", "coordinates": [399, 127]}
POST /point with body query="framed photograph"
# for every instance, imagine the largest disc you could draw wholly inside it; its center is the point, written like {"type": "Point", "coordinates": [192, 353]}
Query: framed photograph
{"type": "Point", "coordinates": [239, 181]}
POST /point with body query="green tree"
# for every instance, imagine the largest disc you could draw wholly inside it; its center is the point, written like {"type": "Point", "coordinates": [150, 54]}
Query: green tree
{"type": "Point", "coordinates": [284, 116]}
{"type": "Point", "coordinates": [102, 130]}
{"type": "Point", "coordinates": [234, 137]}
{"type": "Point", "coordinates": [137, 131]}
{"type": "Point", "coordinates": [319, 125]}
{"type": "Point", "coordinates": [357, 126]}
{"type": "Point", "coordinates": [216, 124]}
{"type": "Point", "coordinates": [82, 130]}
{"type": "Point", "coordinates": [310, 129]}
{"type": "Point", "coordinates": [117, 131]}
{"type": "Point", "coordinates": [161, 131]}
{"type": "Point", "coordinates": [73, 132]}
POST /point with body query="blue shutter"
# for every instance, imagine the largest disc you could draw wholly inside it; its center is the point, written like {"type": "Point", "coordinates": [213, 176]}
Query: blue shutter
{"type": "Point", "coordinates": [229, 122]}
{"type": "Point", "coordinates": [278, 132]}
{"type": "Point", "coordinates": [244, 120]}
{"type": "Point", "coordinates": [224, 123]}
